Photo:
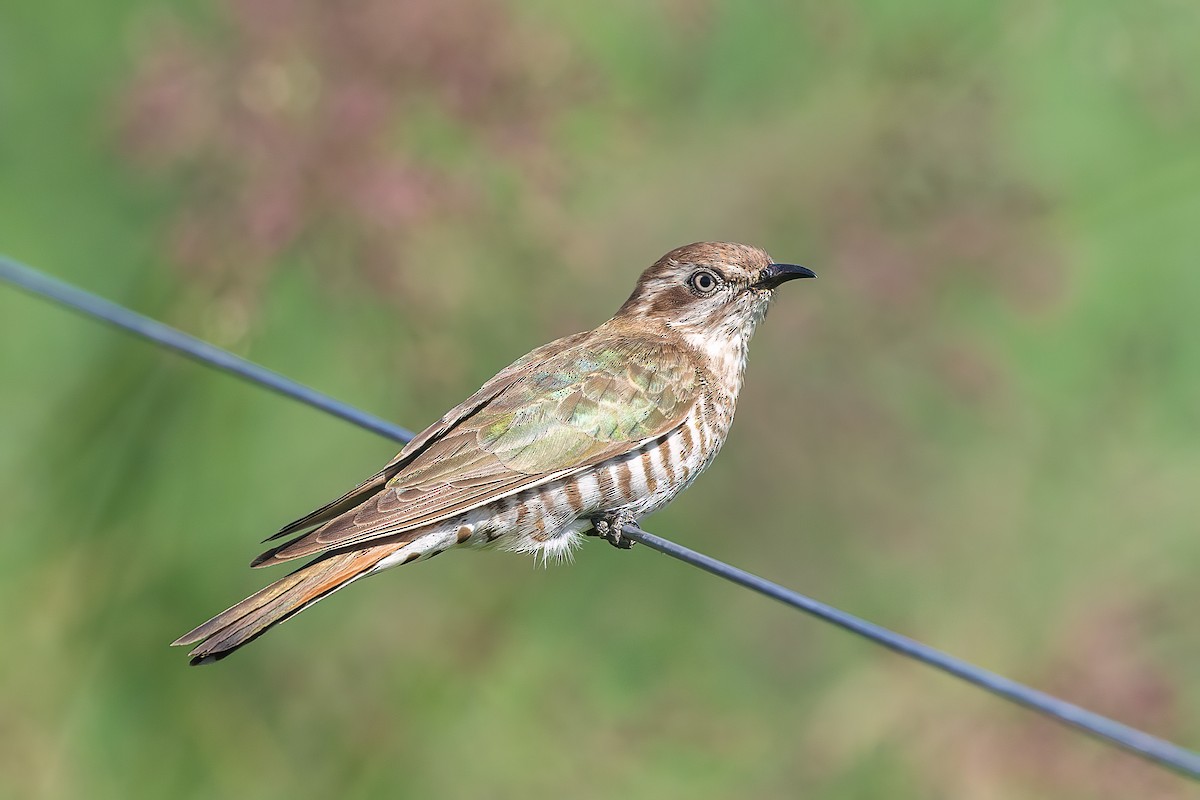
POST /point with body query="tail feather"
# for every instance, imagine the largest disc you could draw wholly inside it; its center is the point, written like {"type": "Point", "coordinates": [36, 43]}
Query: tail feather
{"type": "Point", "coordinates": [284, 598]}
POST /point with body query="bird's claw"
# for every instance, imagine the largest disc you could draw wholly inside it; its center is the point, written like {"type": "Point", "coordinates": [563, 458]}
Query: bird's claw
{"type": "Point", "coordinates": [609, 529]}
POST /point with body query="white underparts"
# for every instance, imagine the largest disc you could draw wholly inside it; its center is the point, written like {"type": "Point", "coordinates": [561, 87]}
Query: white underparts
{"type": "Point", "coordinates": [558, 548]}
{"type": "Point", "coordinates": [422, 547]}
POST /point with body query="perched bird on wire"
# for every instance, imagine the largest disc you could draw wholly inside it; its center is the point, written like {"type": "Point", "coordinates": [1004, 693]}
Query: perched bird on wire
{"type": "Point", "coordinates": [581, 436]}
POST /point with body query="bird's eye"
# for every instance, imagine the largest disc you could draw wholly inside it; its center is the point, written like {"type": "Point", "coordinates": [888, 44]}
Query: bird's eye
{"type": "Point", "coordinates": [703, 282]}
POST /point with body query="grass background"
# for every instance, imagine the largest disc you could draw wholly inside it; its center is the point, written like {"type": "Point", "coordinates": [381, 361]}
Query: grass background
{"type": "Point", "coordinates": [979, 427]}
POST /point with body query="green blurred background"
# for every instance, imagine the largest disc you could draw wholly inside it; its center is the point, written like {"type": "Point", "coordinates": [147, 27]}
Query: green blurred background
{"type": "Point", "coordinates": [979, 427]}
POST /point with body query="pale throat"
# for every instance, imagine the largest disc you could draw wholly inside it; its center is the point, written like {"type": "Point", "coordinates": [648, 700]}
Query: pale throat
{"type": "Point", "coordinates": [724, 352]}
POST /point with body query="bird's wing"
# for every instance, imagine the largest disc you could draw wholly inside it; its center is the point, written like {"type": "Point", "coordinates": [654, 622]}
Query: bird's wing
{"type": "Point", "coordinates": [373, 485]}
{"type": "Point", "coordinates": [557, 411]}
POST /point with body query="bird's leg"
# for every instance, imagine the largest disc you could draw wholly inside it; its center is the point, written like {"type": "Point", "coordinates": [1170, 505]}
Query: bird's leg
{"type": "Point", "coordinates": [608, 527]}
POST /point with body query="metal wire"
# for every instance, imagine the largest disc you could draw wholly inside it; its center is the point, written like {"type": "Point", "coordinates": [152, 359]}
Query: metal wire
{"type": "Point", "coordinates": [1152, 748]}
{"type": "Point", "coordinates": [87, 303]}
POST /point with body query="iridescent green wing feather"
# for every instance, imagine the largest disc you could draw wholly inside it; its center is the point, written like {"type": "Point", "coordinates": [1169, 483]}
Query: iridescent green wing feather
{"type": "Point", "coordinates": [557, 414]}
{"type": "Point", "coordinates": [373, 485]}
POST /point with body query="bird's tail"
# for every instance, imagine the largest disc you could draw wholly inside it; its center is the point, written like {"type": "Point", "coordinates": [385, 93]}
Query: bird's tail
{"type": "Point", "coordinates": [287, 596]}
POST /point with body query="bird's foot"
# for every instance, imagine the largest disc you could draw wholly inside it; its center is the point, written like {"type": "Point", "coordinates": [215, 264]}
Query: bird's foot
{"type": "Point", "coordinates": [609, 529]}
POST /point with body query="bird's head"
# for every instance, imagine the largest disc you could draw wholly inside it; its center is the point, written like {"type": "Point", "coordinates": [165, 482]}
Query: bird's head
{"type": "Point", "coordinates": [709, 291]}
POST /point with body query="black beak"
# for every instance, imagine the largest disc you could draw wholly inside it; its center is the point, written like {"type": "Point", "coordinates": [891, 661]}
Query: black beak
{"type": "Point", "coordinates": [776, 274]}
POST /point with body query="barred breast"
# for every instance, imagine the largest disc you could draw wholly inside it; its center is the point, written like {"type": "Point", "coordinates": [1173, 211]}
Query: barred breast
{"type": "Point", "coordinates": [550, 519]}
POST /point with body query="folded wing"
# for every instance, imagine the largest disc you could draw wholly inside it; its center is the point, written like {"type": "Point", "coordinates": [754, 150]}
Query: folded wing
{"type": "Point", "coordinates": [562, 408]}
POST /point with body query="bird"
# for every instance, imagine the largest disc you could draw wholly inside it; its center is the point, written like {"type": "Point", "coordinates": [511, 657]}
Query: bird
{"type": "Point", "coordinates": [582, 436]}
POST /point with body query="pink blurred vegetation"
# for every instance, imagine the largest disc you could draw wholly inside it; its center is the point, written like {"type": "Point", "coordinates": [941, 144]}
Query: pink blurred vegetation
{"type": "Point", "coordinates": [291, 128]}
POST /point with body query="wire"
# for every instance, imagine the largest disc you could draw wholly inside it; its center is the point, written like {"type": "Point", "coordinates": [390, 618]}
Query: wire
{"type": "Point", "coordinates": [1152, 748]}
{"type": "Point", "coordinates": [1090, 722]}
{"type": "Point", "coordinates": [87, 303]}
